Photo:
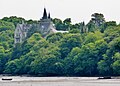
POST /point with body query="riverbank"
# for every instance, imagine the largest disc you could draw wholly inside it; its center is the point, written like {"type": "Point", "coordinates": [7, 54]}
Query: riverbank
{"type": "Point", "coordinates": [58, 81]}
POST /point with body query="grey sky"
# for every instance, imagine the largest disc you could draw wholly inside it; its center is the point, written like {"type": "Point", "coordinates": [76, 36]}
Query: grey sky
{"type": "Point", "coordinates": [78, 10]}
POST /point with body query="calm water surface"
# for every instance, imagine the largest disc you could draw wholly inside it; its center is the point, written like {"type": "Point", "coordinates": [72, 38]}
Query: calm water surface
{"type": "Point", "coordinates": [57, 81]}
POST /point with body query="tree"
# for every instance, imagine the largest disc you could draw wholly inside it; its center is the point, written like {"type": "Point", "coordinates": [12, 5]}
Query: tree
{"type": "Point", "coordinates": [104, 66]}
{"type": "Point", "coordinates": [67, 21]}
{"type": "Point", "coordinates": [92, 37]}
{"type": "Point", "coordinates": [97, 22]}
{"type": "Point", "coordinates": [110, 23]}
{"type": "Point", "coordinates": [101, 47]}
{"type": "Point", "coordinates": [14, 67]}
{"type": "Point", "coordinates": [67, 24]}
{"type": "Point", "coordinates": [14, 19]}
{"type": "Point", "coordinates": [83, 28]}
{"type": "Point", "coordinates": [74, 31]}
{"type": "Point", "coordinates": [47, 62]}
{"type": "Point", "coordinates": [62, 25]}
{"type": "Point", "coordinates": [58, 24]}
{"type": "Point", "coordinates": [116, 63]}
{"type": "Point", "coordinates": [86, 60]}
{"type": "Point", "coordinates": [91, 26]}
{"type": "Point", "coordinates": [98, 19]}
{"type": "Point", "coordinates": [112, 33]}
{"type": "Point", "coordinates": [69, 63]}
{"type": "Point", "coordinates": [52, 38]}
{"type": "Point", "coordinates": [114, 46]}
{"type": "Point", "coordinates": [69, 42]}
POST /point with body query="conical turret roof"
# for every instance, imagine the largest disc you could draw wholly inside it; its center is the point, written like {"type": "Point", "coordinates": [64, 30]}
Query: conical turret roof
{"type": "Point", "coordinates": [44, 14]}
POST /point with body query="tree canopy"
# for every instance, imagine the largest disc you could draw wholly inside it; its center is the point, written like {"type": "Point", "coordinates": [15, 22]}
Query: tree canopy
{"type": "Point", "coordinates": [91, 49]}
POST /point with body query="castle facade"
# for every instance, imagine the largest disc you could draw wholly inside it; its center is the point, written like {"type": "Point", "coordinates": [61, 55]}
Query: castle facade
{"type": "Point", "coordinates": [45, 27]}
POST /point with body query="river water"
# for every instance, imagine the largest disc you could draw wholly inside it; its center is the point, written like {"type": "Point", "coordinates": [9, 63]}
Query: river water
{"type": "Point", "coordinates": [57, 81]}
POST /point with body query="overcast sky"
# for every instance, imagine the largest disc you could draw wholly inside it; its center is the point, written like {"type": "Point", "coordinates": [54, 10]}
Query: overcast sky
{"type": "Point", "coordinates": [77, 10]}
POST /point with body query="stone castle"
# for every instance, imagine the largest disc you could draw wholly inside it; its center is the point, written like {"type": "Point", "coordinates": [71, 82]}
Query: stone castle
{"type": "Point", "coordinates": [45, 27]}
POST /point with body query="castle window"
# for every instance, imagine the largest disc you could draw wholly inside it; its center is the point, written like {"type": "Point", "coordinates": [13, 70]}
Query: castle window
{"type": "Point", "coordinates": [17, 40]}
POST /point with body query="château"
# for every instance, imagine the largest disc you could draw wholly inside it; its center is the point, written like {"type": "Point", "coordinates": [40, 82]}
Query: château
{"type": "Point", "coordinates": [44, 27]}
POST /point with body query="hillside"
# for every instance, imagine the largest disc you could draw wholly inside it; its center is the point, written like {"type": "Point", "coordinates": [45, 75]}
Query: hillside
{"type": "Point", "coordinates": [91, 49]}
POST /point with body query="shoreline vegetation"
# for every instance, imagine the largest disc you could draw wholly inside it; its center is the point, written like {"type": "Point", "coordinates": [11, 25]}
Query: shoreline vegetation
{"type": "Point", "coordinates": [91, 49]}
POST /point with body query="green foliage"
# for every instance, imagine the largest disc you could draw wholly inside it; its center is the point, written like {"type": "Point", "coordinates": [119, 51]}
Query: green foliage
{"type": "Point", "coordinates": [104, 66]}
{"type": "Point", "coordinates": [98, 19]}
{"type": "Point", "coordinates": [116, 63]}
{"type": "Point", "coordinates": [86, 60]}
{"type": "Point", "coordinates": [52, 38]}
{"type": "Point", "coordinates": [70, 62]}
{"type": "Point", "coordinates": [58, 24]}
{"type": "Point", "coordinates": [74, 31]}
{"type": "Point", "coordinates": [14, 19]}
{"type": "Point", "coordinates": [47, 61]}
{"type": "Point", "coordinates": [112, 33]}
{"type": "Point", "coordinates": [14, 67]}
{"type": "Point", "coordinates": [87, 50]}
{"type": "Point", "coordinates": [68, 42]}
{"type": "Point", "coordinates": [96, 23]}
{"type": "Point", "coordinates": [62, 25]}
{"type": "Point", "coordinates": [110, 23]}
{"type": "Point", "coordinates": [32, 22]}
{"type": "Point", "coordinates": [92, 37]}
{"type": "Point", "coordinates": [6, 26]}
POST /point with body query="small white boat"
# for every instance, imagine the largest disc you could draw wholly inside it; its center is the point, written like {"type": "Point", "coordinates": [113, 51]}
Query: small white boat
{"type": "Point", "coordinates": [7, 78]}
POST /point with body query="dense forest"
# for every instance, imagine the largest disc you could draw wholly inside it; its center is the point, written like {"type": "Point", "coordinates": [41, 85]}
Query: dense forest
{"type": "Point", "coordinates": [91, 49]}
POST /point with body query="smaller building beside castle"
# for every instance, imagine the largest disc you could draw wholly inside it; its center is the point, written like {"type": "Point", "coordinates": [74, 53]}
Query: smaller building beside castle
{"type": "Point", "coordinates": [44, 27]}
